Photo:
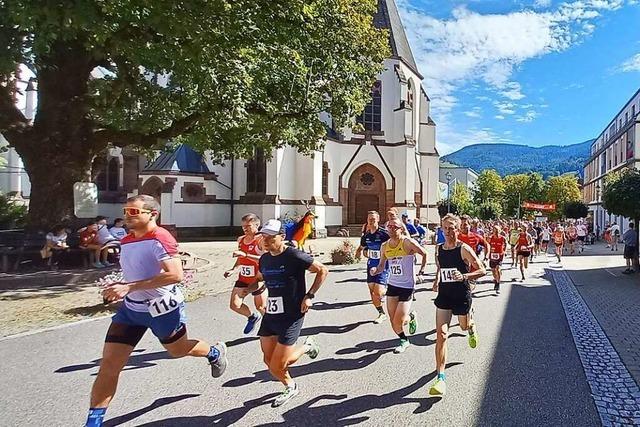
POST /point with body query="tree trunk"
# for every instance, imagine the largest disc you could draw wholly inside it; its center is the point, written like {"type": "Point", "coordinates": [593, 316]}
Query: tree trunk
{"type": "Point", "coordinates": [636, 261]}
{"type": "Point", "coordinates": [52, 175]}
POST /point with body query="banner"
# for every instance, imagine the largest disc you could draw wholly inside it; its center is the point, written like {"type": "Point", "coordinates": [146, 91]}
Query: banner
{"type": "Point", "coordinates": [539, 206]}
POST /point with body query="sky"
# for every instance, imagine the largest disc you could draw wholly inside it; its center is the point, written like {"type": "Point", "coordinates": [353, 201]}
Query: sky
{"type": "Point", "coordinates": [534, 72]}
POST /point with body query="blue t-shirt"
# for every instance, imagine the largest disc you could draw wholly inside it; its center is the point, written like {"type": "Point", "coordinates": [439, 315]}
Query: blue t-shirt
{"type": "Point", "coordinates": [439, 236]}
{"type": "Point", "coordinates": [421, 230]}
{"type": "Point", "coordinates": [411, 229]}
{"type": "Point", "coordinates": [284, 277]}
{"type": "Point", "coordinates": [373, 242]}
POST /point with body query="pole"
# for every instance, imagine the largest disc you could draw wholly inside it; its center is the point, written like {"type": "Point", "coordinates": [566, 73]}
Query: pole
{"type": "Point", "coordinates": [518, 205]}
{"type": "Point", "coordinates": [448, 196]}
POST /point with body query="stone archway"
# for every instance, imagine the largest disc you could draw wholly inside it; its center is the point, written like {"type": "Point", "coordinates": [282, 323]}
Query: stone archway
{"type": "Point", "coordinates": [366, 192]}
{"type": "Point", "coordinates": [153, 187]}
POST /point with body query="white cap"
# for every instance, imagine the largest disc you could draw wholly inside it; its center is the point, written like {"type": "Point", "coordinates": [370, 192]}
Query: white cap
{"type": "Point", "coordinates": [273, 227]}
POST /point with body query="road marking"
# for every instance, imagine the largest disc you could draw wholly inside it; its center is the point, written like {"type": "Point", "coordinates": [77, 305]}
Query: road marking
{"type": "Point", "coordinates": [608, 271]}
{"type": "Point", "coordinates": [53, 328]}
{"type": "Point", "coordinates": [614, 391]}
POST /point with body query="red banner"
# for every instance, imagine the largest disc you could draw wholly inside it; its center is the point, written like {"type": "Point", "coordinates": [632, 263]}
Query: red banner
{"type": "Point", "coordinates": [539, 206]}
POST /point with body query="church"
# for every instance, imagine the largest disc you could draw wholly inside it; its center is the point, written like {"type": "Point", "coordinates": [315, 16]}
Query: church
{"type": "Point", "coordinates": [392, 162]}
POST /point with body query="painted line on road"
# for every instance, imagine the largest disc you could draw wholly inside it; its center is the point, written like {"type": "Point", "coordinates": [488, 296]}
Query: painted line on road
{"type": "Point", "coordinates": [615, 393]}
{"type": "Point", "coordinates": [611, 273]}
{"type": "Point", "coordinates": [53, 328]}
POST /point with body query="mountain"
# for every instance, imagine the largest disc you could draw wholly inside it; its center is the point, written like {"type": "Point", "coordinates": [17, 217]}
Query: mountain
{"type": "Point", "coordinates": [509, 159]}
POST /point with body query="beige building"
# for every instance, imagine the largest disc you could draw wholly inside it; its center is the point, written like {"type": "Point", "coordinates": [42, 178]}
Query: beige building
{"type": "Point", "coordinates": [617, 147]}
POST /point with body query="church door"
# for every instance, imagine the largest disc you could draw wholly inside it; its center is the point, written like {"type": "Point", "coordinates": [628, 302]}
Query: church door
{"type": "Point", "coordinates": [366, 192]}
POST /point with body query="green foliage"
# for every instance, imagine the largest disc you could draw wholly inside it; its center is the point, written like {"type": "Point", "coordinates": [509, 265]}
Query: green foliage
{"type": "Point", "coordinates": [575, 210]}
{"type": "Point", "coordinates": [515, 193]}
{"type": "Point", "coordinates": [561, 190]}
{"type": "Point", "coordinates": [344, 253]}
{"type": "Point", "coordinates": [461, 198]}
{"type": "Point", "coordinates": [444, 207]}
{"type": "Point", "coordinates": [489, 186]}
{"type": "Point", "coordinates": [489, 209]}
{"type": "Point", "coordinates": [620, 193]}
{"type": "Point", "coordinates": [510, 159]}
{"type": "Point", "coordinates": [12, 215]}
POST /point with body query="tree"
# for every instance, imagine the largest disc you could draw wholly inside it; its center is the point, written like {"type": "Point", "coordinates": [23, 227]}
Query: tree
{"type": "Point", "coordinates": [515, 193]}
{"type": "Point", "coordinates": [575, 210]}
{"type": "Point", "coordinates": [444, 207]}
{"type": "Point", "coordinates": [620, 197]}
{"type": "Point", "coordinates": [12, 214]}
{"type": "Point", "coordinates": [489, 210]}
{"type": "Point", "coordinates": [489, 186]}
{"type": "Point", "coordinates": [461, 198]}
{"type": "Point", "coordinates": [535, 186]}
{"type": "Point", "coordinates": [220, 75]}
{"type": "Point", "coordinates": [560, 190]}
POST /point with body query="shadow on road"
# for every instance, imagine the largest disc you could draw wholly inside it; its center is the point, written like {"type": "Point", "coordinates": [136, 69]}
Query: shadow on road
{"type": "Point", "coordinates": [352, 279]}
{"type": "Point", "coordinates": [136, 361]}
{"type": "Point", "coordinates": [321, 305]}
{"type": "Point", "coordinates": [156, 404]}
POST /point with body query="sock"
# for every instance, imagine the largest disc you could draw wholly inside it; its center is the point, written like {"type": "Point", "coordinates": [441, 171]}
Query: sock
{"type": "Point", "coordinates": [292, 384]}
{"type": "Point", "coordinates": [96, 416]}
{"type": "Point", "coordinates": [403, 336]}
{"type": "Point", "coordinates": [380, 310]}
{"type": "Point", "coordinates": [213, 355]}
{"type": "Point", "coordinates": [441, 376]}
{"type": "Point", "coordinates": [252, 317]}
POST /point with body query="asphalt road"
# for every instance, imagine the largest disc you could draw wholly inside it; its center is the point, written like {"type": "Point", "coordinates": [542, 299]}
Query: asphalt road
{"type": "Point", "coordinates": [525, 370]}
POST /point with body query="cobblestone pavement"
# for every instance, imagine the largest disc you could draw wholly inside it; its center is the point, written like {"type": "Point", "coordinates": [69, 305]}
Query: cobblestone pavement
{"type": "Point", "coordinates": [615, 393]}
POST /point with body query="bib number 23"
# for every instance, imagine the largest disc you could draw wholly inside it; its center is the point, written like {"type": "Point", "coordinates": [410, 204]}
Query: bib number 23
{"type": "Point", "coordinates": [275, 305]}
{"type": "Point", "coordinates": [165, 304]}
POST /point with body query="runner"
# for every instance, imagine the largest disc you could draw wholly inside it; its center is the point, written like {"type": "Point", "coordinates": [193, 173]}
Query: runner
{"type": "Point", "coordinates": [497, 245]}
{"type": "Point", "coordinates": [546, 236]}
{"type": "Point", "coordinates": [582, 232]}
{"type": "Point", "coordinates": [151, 300]}
{"type": "Point", "coordinates": [572, 235]}
{"type": "Point", "coordinates": [558, 240]}
{"type": "Point", "coordinates": [538, 240]}
{"type": "Point", "coordinates": [455, 260]}
{"type": "Point", "coordinates": [514, 233]}
{"type": "Point", "coordinates": [283, 270]}
{"type": "Point", "coordinates": [247, 256]}
{"type": "Point", "coordinates": [371, 242]}
{"type": "Point", "coordinates": [615, 236]}
{"type": "Point", "coordinates": [533, 233]}
{"type": "Point", "coordinates": [400, 252]}
{"type": "Point", "coordinates": [523, 249]}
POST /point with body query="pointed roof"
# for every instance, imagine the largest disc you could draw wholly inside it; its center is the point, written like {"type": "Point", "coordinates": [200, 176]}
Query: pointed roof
{"type": "Point", "coordinates": [183, 159]}
{"type": "Point", "coordinates": [388, 18]}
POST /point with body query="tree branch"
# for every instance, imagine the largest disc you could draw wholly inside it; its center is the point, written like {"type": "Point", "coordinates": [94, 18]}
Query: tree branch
{"type": "Point", "coordinates": [12, 121]}
{"type": "Point", "coordinates": [123, 138]}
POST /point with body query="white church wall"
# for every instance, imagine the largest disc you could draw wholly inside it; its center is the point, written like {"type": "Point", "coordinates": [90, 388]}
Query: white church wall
{"type": "Point", "coordinates": [239, 178]}
{"type": "Point", "coordinates": [288, 174]}
{"type": "Point", "coordinates": [200, 215]}
{"type": "Point", "coordinates": [392, 123]}
{"type": "Point", "coordinates": [333, 215]}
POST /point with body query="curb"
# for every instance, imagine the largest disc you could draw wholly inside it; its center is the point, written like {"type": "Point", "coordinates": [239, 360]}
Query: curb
{"type": "Point", "coordinates": [53, 328]}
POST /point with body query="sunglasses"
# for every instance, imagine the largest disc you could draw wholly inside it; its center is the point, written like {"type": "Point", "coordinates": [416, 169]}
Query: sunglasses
{"type": "Point", "coordinates": [135, 211]}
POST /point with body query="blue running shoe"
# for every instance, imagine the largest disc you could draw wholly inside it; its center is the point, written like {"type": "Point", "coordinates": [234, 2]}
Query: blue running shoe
{"type": "Point", "coordinates": [252, 323]}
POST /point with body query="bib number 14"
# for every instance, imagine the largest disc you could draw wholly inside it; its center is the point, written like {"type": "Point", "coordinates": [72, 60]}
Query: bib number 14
{"type": "Point", "coordinates": [165, 304]}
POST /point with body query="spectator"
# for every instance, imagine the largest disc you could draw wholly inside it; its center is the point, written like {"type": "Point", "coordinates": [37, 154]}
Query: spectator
{"type": "Point", "coordinates": [615, 236]}
{"type": "Point", "coordinates": [118, 231]}
{"type": "Point", "coordinates": [56, 245]}
{"type": "Point", "coordinates": [439, 236]}
{"type": "Point", "coordinates": [630, 239]}
{"type": "Point", "coordinates": [410, 228]}
{"type": "Point", "coordinates": [89, 241]}
{"type": "Point", "coordinates": [422, 232]}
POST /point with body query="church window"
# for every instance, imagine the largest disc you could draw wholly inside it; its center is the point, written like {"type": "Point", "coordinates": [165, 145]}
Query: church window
{"type": "Point", "coordinates": [371, 117]}
{"type": "Point", "coordinates": [113, 172]}
{"type": "Point", "coordinates": [367, 179]}
{"type": "Point", "coordinates": [410, 95]}
{"type": "Point", "coordinates": [257, 173]}
{"type": "Point", "coordinates": [325, 178]}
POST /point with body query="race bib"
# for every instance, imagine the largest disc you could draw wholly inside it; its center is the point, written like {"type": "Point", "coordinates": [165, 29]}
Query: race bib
{"type": "Point", "coordinates": [247, 270]}
{"type": "Point", "coordinates": [495, 255]}
{"type": "Point", "coordinates": [395, 268]}
{"type": "Point", "coordinates": [165, 304]}
{"type": "Point", "coordinates": [374, 254]}
{"type": "Point", "coordinates": [447, 275]}
{"type": "Point", "coordinates": [275, 305]}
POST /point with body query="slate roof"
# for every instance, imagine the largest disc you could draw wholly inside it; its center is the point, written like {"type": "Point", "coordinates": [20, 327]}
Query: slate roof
{"type": "Point", "coordinates": [183, 159]}
{"type": "Point", "coordinates": [388, 18]}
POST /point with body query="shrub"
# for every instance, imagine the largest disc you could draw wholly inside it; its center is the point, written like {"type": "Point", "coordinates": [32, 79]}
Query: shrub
{"type": "Point", "coordinates": [344, 253]}
{"type": "Point", "coordinates": [12, 214]}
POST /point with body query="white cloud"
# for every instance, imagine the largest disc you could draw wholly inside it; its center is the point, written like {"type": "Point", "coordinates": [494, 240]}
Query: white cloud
{"type": "Point", "coordinates": [499, 117]}
{"type": "Point", "coordinates": [542, 3]}
{"type": "Point", "coordinates": [474, 135]}
{"type": "Point", "coordinates": [631, 64]}
{"type": "Point", "coordinates": [505, 107]}
{"type": "Point", "coordinates": [472, 114]}
{"type": "Point", "coordinates": [528, 117]}
{"type": "Point", "coordinates": [471, 48]}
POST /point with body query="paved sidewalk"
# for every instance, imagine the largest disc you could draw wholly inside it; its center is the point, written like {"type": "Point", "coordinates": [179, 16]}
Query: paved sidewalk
{"type": "Point", "coordinates": [613, 297]}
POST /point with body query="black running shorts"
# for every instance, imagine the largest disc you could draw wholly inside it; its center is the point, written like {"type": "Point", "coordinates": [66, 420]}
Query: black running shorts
{"type": "Point", "coordinates": [459, 306]}
{"type": "Point", "coordinates": [287, 330]}
{"type": "Point", "coordinates": [403, 294]}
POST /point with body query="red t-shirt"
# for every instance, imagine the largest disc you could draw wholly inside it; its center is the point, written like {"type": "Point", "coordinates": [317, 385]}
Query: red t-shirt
{"type": "Point", "coordinates": [248, 266]}
{"type": "Point", "coordinates": [471, 239]}
{"type": "Point", "coordinates": [498, 244]}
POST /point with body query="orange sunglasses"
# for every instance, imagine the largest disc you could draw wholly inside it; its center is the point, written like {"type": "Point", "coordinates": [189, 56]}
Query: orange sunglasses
{"type": "Point", "coordinates": [135, 211]}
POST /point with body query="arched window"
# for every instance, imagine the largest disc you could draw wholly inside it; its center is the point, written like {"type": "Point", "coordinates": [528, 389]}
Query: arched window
{"type": "Point", "coordinates": [99, 172]}
{"type": "Point", "coordinates": [325, 178]}
{"type": "Point", "coordinates": [410, 95]}
{"type": "Point", "coordinates": [257, 173]}
{"type": "Point", "coordinates": [113, 174]}
{"type": "Point", "coordinates": [371, 117]}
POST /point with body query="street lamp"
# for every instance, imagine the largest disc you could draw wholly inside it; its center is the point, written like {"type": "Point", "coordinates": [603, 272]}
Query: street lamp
{"type": "Point", "coordinates": [598, 195]}
{"type": "Point", "coordinates": [449, 177]}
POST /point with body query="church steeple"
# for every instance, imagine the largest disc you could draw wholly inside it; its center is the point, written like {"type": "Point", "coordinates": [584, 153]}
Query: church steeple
{"type": "Point", "coordinates": [388, 18]}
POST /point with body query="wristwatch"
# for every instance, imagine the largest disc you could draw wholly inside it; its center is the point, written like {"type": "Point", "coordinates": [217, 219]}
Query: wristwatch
{"type": "Point", "coordinates": [310, 295]}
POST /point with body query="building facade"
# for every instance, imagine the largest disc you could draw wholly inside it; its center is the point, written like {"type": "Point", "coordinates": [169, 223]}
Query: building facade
{"type": "Point", "coordinates": [457, 174]}
{"type": "Point", "coordinates": [616, 148]}
{"type": "Point", "coordinates": [393, 162]}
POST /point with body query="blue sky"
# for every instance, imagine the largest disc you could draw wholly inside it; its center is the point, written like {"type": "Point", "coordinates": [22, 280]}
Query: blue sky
{"type": "Point", "coordinates": [535, 72]}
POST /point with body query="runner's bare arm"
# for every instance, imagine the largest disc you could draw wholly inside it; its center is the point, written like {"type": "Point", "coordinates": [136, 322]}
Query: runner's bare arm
{"type": "Point", "coordinates": [172, 273]}
{"type": "Point", "coordinates": [255, 285]}
{"type": "Point", "coordinates": [436, 281]}
{"type": "Point", "coordinates": [383, 261]}
{"type": "Point", "coordinates": [416, 248]}
{"type": "Point", "coordinates": [321, 272]}
{"type": "Point", "coordinates": [469, 256]}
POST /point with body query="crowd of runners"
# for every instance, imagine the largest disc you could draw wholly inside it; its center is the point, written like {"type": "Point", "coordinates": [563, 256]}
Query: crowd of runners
{"type": "Point", "coordinates": [274, 274]}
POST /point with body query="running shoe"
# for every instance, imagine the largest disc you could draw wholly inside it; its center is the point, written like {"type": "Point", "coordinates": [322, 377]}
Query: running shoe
{"type": "Point", "coordinates": [381, 318]}
{"type": "Point", "coordinates": [413, 324]}
{"type": "Point", "coordinates": [404, 344]}
{"type": "Point", "coordinates": [98, 264]}
{"type": "Point", "coordinates": [496, 288]}
{"type": "Point", "coordinates": [252, 323]}
{"type": "Point", "coordinates": [314, 348]}
{"type": "Point", "coordinates": [473, 338]}
{"type": "Point", "coordinates": [219, 366]}
{"type": "Point", "coordinates": [289, 393]}
{"type": "Point", "coordinates": [438, 388]}
{"type": "Point", "coordinates": [108, 264]}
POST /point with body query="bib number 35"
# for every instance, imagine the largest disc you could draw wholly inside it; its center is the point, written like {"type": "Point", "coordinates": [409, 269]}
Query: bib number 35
{"type": "Point", "coordinates": [165, 304]}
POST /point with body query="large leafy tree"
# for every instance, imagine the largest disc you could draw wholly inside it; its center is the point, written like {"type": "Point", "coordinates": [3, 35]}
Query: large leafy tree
{"type": "Point", "coordinates": [489, 187]}
{"type": "Point", "coordinates": [561, 190]}
{"type": "Point", "coordinates": [575, 210]}
{"type": "Point", "coordinates": [515, 190]}
{"type": "Point", "coordinates": [223, 75]}
{"type": "Point", "coordinates": [620, 197]}
{"type": "Point", "coordinates": [461, 199]}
